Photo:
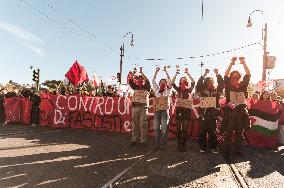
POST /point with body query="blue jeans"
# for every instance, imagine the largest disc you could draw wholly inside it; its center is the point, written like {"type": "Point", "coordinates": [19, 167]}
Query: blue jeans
{"type": "Point", "coordinates": [161, 120]}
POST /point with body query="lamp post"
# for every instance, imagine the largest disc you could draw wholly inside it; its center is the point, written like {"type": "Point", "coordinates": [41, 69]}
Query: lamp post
{"type": "Point", "coordinates": [264, 38]}
{"type": "Point", "coordinates": [119, 74]}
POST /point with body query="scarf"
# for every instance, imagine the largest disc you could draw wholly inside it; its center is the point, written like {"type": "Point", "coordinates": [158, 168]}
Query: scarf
{"type": "Point", "coordinates": [183, 86]}
{"type": "Point", "coordinates": [162, 88]}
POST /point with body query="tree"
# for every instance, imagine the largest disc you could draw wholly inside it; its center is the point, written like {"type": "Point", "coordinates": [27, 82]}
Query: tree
{"type": "Point", "coordinates": [52, 84]}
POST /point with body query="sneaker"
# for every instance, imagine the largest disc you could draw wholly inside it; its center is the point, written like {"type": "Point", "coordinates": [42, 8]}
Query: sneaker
{"type": "Point", "coordinates": [202, 150]}
{"type": "Point", "coordinates": [213, 150]}
{"type": "Point", "coordinates": [156, 148]}
{"type": "Point", "coordinates": [241, 154]}
{"type": "Point", "coordinates": [226, 156]}
{"type": "Point", "coordinates": [143, 145]}
{"type": "Point", "coordinates": [163, 148]}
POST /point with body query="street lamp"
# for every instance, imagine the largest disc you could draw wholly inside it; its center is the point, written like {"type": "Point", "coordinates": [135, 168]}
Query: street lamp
{"type": "Point", "coordinates": [119, 74]}
{"type": "Point", "coordinates": [264, 38]}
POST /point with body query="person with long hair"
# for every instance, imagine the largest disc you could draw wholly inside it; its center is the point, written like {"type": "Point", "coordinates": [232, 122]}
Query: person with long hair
{"type": "Point", "coordinates": [161, 116]}
{"type": "Point", "coordinates": [236, 117]}
{"type": "Point", "coordinates": [183, 114]}
{"type": "Point", "coordinates": [208, 115]}
{"type": "Point", "coordinates": [265, 95]}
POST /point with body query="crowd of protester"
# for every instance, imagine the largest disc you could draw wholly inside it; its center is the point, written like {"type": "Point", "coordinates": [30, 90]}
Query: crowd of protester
{"type": "Point", "coordinates": [166, 87]}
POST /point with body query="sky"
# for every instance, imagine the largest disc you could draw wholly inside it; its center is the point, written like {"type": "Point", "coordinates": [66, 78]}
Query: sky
{"type": "Point", "coordinates": [51, 35]}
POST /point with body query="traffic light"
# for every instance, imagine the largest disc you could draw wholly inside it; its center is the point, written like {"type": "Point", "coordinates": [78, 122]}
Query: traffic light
{"type": "Point", "coordinates": [118, 76]}
{"type": "Point", "coordinates": [36, 75]}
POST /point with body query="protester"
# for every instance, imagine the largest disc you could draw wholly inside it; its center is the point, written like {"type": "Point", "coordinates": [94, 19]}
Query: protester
{"type": "Point", "coordinates": [100, 91]}
{"type": "Point", "coordinates": [208, 115]}
{"type": "Point", "coordinates": [236, 117]}
{"type": "Point", "coordinates": [35, 108]}
{"type": "Point", "coordinates": [161, 117]}
{"type": "Point", "coordinates": [183, 114]}
{"type": "Point", "coordinates": [139, 82]}
{"type": "Point", "coordinates": [255, 96]}
{"type": "Point", "coordinates": [110, 91]}
{"type": "Point", "coordinates": [273, 96]}
{"type": "Point", "coordinates": [2, 109]}
{"type": "Point", "coordinates": [265, 96]}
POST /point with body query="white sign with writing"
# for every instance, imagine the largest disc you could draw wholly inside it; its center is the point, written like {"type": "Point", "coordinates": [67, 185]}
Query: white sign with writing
{"type": "Point", "coordinates": [185, 103]}
{"type": "Point", "coordinates": [140, 96]}
{"type": "Point", "coordinates": [161, 103]}
{"type": "Point", "coordinates": [207, 102]}
{"type": "Point", "coordinates": [237, 97]}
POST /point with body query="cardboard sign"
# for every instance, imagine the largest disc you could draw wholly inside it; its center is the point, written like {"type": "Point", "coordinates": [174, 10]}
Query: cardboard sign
{"type": "Point", "coordinates": [207, 102]}
{"type": "Point", "coordinates": [237, 97]}
{"type": "Point", "coordinates": [140, 96]}
{"type": "Point", "coordinates": [161, 103]}
{"type": "Point", "coordinates": [184, 103]}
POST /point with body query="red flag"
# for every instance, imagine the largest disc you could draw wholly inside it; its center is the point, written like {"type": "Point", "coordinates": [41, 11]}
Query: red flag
{"type": "Point", "coordinates": [96, 81]}
{"type": "Point", "coordinates": [77, 74]}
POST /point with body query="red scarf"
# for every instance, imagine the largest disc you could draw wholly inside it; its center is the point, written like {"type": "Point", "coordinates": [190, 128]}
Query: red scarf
{"type": "Point", "coordinates": [162, 88]}
{"type": "Point", "coordinates": [139, 82]}
{"type": "Point", "coordinates": [183, 86]}
{"type": "Point", "coordinates": [210, 86]}
{"type": "Point", "coordinates": [235, 83]}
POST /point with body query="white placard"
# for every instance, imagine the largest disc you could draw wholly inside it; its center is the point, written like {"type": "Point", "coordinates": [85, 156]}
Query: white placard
{"type": "Point", "coordinates": [161, 103]}
{"type": "Point", "coordinates": [207, 102]}
{"type": "Point", "coordinates": [184, 103]}
{"type": "Point", "coordinates": [237, 97]}
{"type": "Point", "coordinates": [140, 96]}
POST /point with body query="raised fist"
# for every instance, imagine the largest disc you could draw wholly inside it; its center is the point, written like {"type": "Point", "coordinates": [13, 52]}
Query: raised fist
{"type": "Point", "coordinates": [207, 71]}
{"type": "Point", "coordinates": [165, 68]}
{"type": "Point", "coordinates": [215, 71]}
{"type": "Point", "coordinates": [233, 60]}
{"type": "Point", "coordinates": [157, 69]}
{"type": "Point", "coordinates": [242, 60]}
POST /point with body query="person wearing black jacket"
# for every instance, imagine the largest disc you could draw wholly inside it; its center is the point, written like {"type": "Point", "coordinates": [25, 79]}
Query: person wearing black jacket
{"type": "Point", "coordinates": [2, 108]}
{"type": "Point", "coordinates": [236, 117]}
{"type": "Point", "coordinates": [139, 118]}
{"type": "Point", "coordinates": [35, 98]}
{"type": "Point", "coordinates": [208, 115]}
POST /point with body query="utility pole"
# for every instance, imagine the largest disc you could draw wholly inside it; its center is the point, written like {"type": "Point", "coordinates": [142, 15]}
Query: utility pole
{"type": "Point", "coordinates": [119, 76]}
{"type": "Point", "coordinates": [265, 58]}
{"type": "Point", "coordinates": [264, 38]}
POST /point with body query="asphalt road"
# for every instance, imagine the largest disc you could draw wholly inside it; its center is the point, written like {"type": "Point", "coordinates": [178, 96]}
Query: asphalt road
{"type": "Point", "coordinates": [46, 157]}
